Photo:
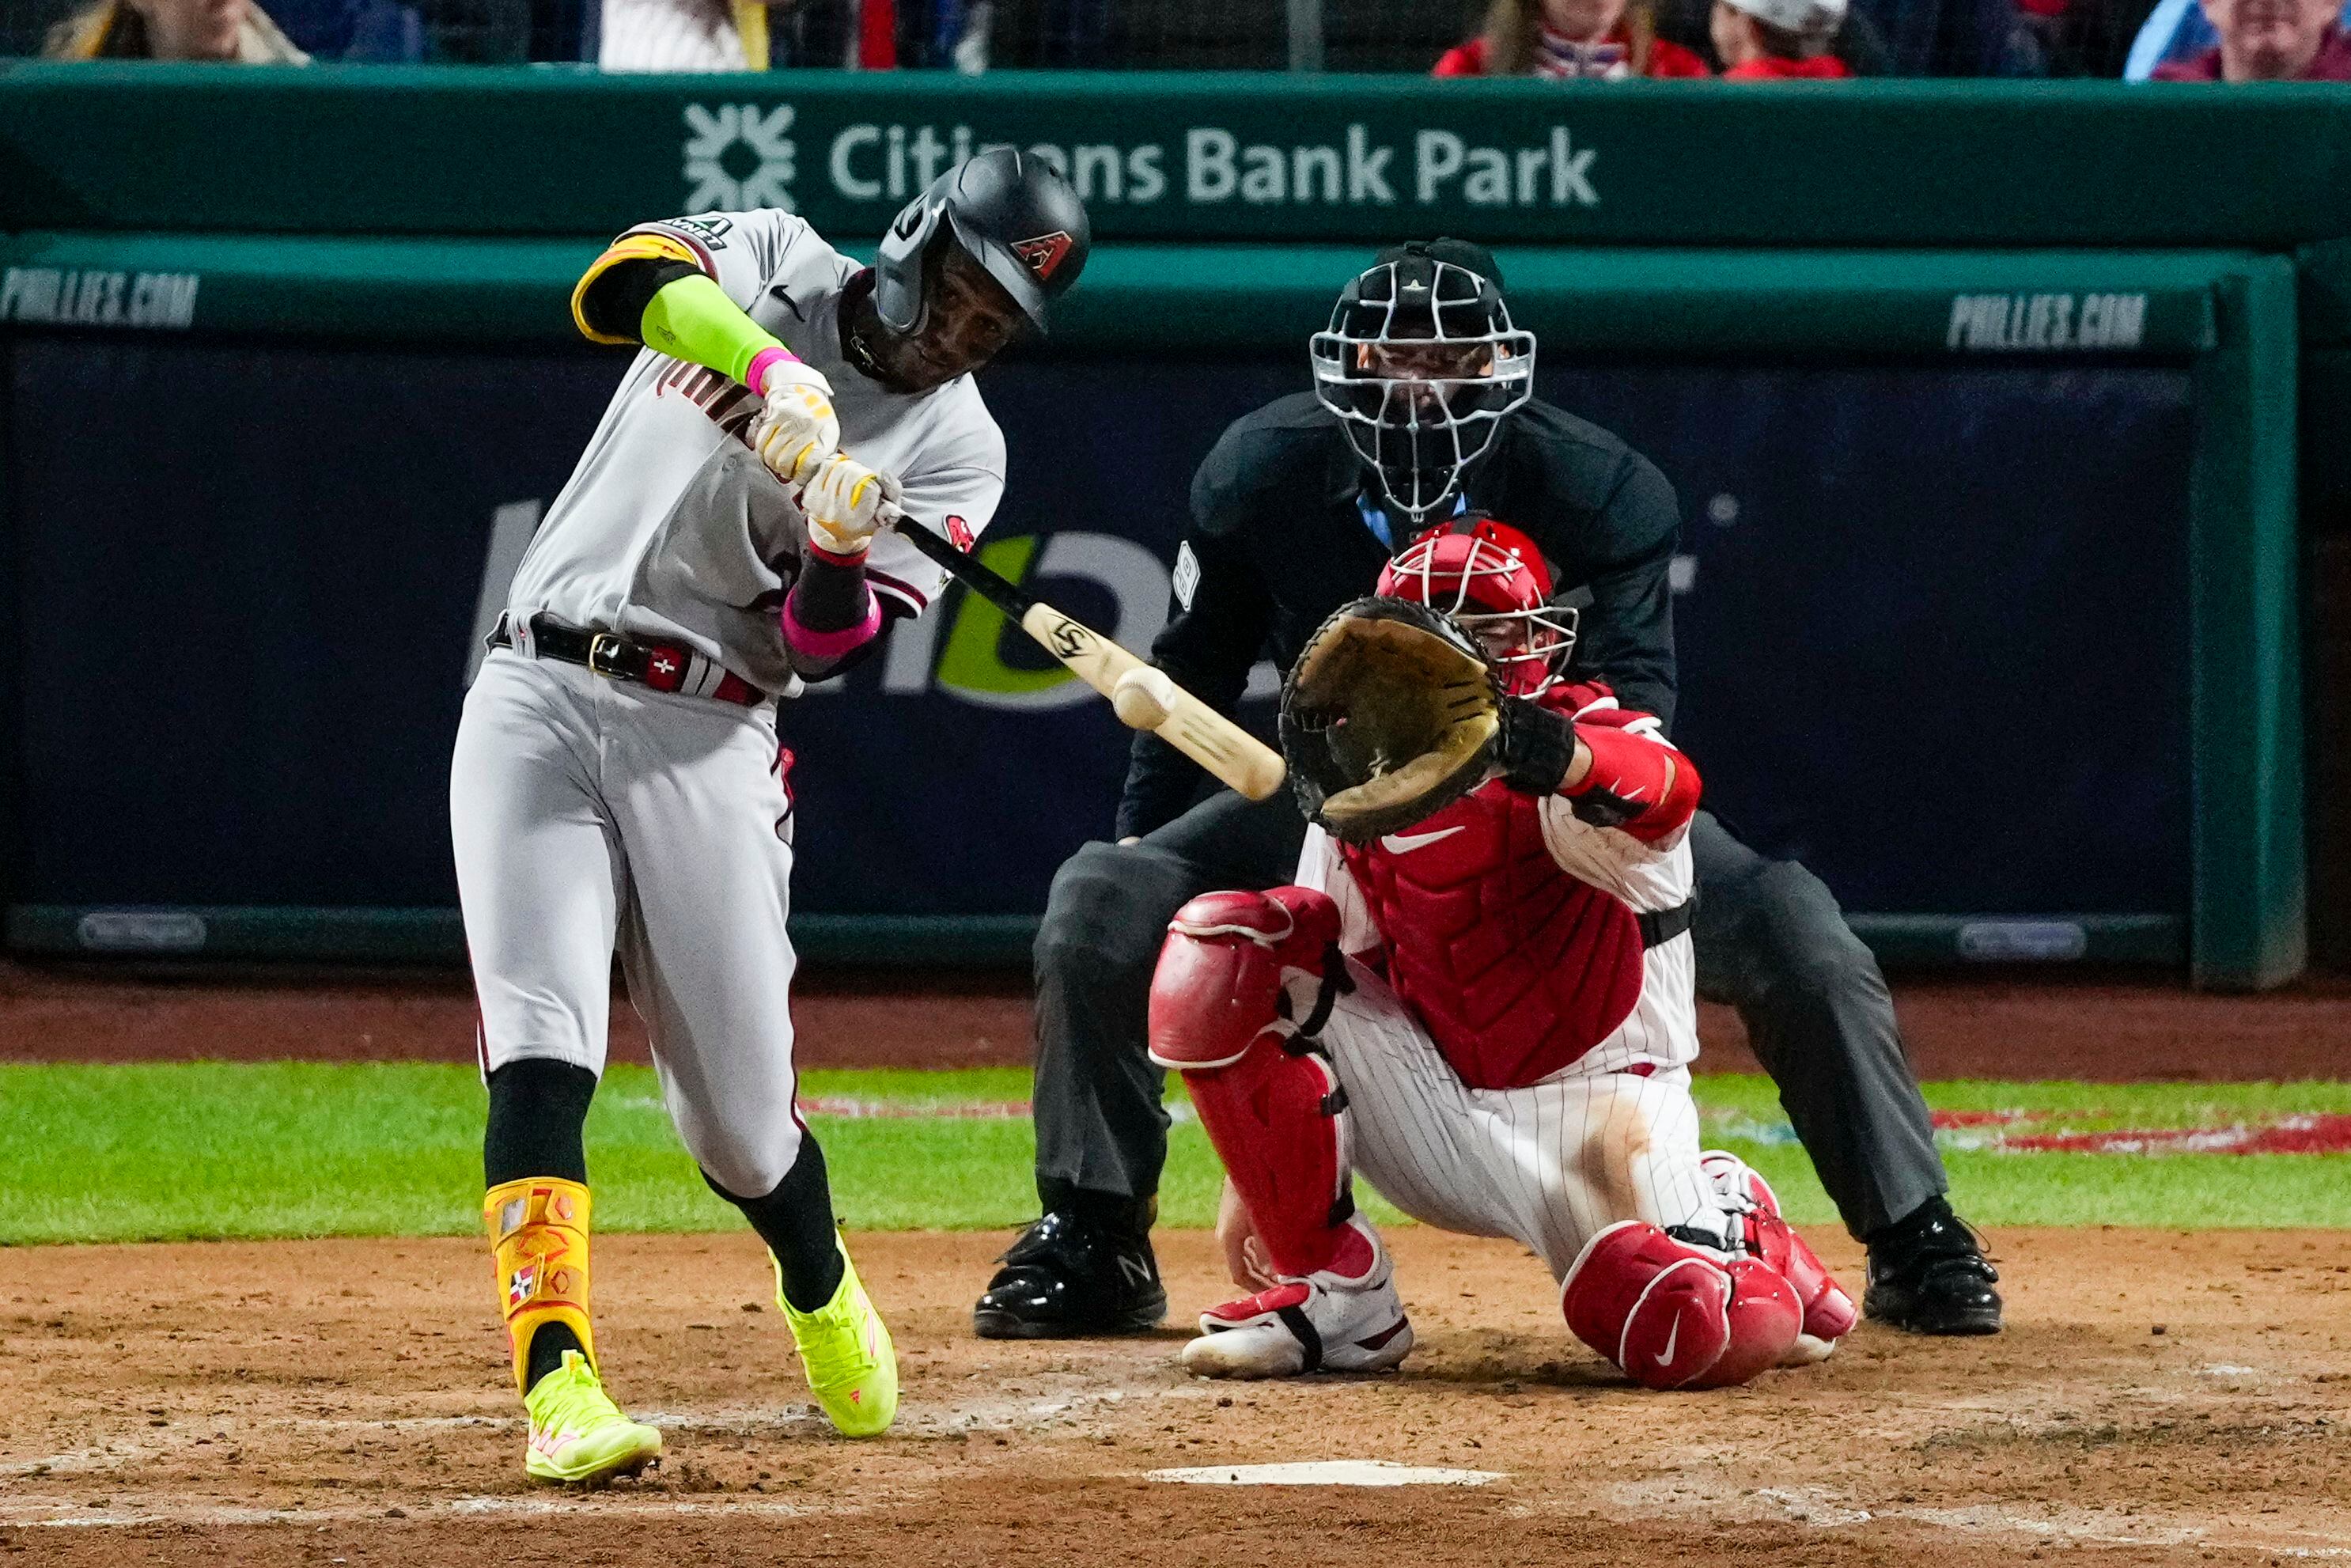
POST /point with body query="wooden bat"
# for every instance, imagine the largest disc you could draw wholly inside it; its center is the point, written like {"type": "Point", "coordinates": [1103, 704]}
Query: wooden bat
{"type": "Point", "coordinates": [1144, 697]}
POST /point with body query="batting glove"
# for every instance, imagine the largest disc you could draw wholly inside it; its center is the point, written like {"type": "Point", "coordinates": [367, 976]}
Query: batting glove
{"type": "Point", "coordinates": [797, 431]}
{"type": "Point", "coordinates": [846, 504]}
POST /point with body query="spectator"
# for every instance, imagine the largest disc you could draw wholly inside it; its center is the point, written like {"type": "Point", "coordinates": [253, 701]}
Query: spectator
{"type": "Point", "coordinates": [1777, 40]}
{"type": "Point", "coordinates": [1565, 38]}
{"type": "Point", "coordinates": [2177, 30]}
{"type": "Point", "coordinates": [2268, 40]}
{"type": "Point", "coordinates": [1858, 42]}
{"type": "Point", "coordinates": [231, 31]}
{"type": "Point", "coordinates": [682, 35]}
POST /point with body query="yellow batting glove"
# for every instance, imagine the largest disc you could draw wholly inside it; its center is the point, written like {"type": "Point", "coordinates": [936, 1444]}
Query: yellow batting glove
{"type": "Point", "coordinates": [846, 504]}
{"type": "Point", "coordinates": [797, 431]}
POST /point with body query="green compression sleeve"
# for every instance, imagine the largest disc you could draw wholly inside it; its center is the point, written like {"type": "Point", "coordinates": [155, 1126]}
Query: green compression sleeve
{"type": "Point", "coordinates": [691, 318]}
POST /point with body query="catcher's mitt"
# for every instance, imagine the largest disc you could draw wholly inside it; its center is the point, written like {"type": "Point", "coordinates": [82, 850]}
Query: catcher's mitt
{"type": "Point", "coordinates": [1389, 715]}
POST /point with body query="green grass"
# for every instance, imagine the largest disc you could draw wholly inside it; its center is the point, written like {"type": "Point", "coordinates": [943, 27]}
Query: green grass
{"type": "Point", "coordinates": [178, 1152]}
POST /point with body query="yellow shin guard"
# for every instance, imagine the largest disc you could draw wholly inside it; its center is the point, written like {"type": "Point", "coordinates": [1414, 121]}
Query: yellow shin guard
{"type": "Point", "coordinates": [538, 1248]}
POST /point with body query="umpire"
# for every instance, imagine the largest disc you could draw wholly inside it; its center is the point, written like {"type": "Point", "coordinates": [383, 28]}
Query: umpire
{"type": "Point", "coordinates": [1423, 408]}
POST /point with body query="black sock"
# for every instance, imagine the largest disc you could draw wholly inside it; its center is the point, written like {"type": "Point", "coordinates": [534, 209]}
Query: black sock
{"type": "Point", "coordinates": [1125, 1218]}
{"type": "Point", "coordinates": [538, 1110]}
{"type": "Point", "coordinates": [796, 1222]}
{"type": "Point", "coordinates": [1936, 1207]}
{"type": "Point", "coordinates": [547, 1348]}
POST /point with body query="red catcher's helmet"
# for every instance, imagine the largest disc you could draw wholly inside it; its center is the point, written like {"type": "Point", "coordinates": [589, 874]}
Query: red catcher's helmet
{"type": "Point", "coordinates": [1491, 580]}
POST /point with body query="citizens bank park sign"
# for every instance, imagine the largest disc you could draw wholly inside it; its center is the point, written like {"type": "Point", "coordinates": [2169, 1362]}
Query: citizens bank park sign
{"type": "Point", "coordinates": [742, 155]}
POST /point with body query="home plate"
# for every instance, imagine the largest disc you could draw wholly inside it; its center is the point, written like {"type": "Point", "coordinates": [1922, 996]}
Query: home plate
{"type": "Point", "coordinates": [1327, 1473]}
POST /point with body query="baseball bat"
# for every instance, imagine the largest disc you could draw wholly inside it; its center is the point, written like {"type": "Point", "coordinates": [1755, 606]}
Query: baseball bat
{"type": "Point", "coordinates": [1167, 709]}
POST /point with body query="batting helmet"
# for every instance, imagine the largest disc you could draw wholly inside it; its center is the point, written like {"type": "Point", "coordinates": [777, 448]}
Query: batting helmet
{"type": "Point", "coordinates": [1490, 580]}
{"type": "Point", "coordinates": [1420, 363]}
{"type": "Point", "coordinates": [1011, 212]}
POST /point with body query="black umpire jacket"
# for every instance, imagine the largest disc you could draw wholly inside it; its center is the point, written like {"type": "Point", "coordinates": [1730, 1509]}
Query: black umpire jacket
{"type": "Point", "coordinates": [1279, 540]}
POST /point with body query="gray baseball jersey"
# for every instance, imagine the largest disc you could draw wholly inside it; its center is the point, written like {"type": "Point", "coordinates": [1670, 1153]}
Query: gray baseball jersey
{"type": "Point", "coordinates": [672, 528]}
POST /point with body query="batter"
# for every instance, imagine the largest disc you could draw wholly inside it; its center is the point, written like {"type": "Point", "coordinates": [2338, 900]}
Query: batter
{"type": "Point", "coordinates": [617, 783]}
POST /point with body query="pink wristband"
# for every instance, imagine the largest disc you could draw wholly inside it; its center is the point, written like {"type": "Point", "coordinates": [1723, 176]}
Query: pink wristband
{"type": "Point", "coordinates": [755, 375]}
{"type": "Point", "coordinates": [827, 647]}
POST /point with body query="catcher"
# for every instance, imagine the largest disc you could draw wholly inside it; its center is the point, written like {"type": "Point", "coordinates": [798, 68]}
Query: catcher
{"type": "Point", "coordinates": [1481, 994]}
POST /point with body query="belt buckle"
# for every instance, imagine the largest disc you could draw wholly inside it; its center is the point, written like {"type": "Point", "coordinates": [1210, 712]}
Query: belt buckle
{"type": "Point", "coordinates": [603, 648]}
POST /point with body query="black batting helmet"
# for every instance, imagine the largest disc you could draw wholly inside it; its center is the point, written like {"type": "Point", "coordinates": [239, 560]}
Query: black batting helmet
{"type": "Point", "coordinates": [1008, 211]}
{"type": "Point", "coordinates": [1421, 363]}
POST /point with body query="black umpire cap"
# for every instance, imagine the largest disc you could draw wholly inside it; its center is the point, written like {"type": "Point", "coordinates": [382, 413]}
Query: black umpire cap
{"type": "Point", "coordinates": [1466, 254]}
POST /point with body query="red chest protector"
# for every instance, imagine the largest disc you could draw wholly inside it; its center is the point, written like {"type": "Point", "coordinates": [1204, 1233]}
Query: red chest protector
{"type": "Point", "coordinates": [1516, 967]}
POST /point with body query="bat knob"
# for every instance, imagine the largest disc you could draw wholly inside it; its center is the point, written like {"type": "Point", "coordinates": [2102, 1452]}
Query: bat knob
{"type": "Point", "coordinates": [1142, 698]}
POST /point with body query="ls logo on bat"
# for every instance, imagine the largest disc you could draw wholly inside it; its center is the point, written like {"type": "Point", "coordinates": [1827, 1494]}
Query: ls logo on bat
{"type": "Point", "coordinates": [968, 648]}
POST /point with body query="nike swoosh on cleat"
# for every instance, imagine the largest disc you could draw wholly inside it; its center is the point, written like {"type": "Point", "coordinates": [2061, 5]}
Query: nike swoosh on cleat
{"type": "Point", "coordinates": [1672, 1340]}
{"type": "Point", "coordinates": [1405, 843]}
{"type": "Point", "coordinates": [1383, 1337]}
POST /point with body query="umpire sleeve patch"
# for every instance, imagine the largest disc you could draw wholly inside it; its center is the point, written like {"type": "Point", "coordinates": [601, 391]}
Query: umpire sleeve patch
{"type": "Point", "coordinates": [1186, 580]}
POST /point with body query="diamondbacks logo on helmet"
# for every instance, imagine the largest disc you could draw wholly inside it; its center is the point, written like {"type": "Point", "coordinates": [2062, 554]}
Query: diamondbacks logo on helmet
{"type": "Point", "coordinates": [983, 207]}
{"type": "Point", "coordinates": [1043, 253]}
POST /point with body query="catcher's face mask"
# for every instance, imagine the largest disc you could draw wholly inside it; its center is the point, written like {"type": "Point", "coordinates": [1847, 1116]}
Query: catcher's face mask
{"type": "Point", "coordinates": [1490, 580]}
{"type": "Point", "coordinates": [1420, 363]}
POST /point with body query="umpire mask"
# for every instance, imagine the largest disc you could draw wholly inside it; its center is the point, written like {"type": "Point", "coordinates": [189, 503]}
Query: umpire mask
{"type": "Point", "coordinates": [1421, 364]}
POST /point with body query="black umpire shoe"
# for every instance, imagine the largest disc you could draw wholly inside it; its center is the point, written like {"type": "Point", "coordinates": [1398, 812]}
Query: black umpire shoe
{"type": "Point", "coordinates": [1928, 1274]}
{"type": "Point", "coordinates": [1068, 1278]}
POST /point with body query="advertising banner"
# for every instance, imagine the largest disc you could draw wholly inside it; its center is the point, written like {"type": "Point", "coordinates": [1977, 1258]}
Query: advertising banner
{"type": "Point", "coordinates": [1162, 155]}
{"type": "Point", "coordinates": [1932, 622]}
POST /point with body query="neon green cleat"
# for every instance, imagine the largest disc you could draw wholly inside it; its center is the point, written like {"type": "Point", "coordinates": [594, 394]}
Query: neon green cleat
{"type": "Point", "coordinates": [845, 1349]}
{"type": "Point", "coordinates": [577, 1433]}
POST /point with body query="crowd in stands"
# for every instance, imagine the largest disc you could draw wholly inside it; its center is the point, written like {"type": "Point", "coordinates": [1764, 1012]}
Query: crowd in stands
{"type": "Point", "coordinates": [1735, 40]}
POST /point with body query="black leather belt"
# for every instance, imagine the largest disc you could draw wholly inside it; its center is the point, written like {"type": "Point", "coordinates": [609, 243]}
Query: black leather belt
{"type": "Point", "coordinates": [664, 667]}
{"type": "Point", "coordinates": [1659, 926]}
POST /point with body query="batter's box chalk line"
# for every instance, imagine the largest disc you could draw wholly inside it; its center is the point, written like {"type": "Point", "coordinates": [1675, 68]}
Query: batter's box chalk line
{"type": "Point", "coordinates": [1325, 1473]}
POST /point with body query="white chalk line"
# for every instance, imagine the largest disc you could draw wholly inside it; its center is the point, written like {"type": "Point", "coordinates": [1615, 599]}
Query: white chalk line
{"type": "Point", "coordinates": [103, 1466]}
{"type": "Point", "coordinates": [227, 1514]}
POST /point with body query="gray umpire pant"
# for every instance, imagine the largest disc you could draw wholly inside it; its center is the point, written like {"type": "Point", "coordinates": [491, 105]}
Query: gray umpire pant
{"type": "Point", "coordinates": [1771, 942]}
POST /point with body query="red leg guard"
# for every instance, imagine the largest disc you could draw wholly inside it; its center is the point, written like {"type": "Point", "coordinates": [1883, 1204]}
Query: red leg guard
{"type": "Point", "coordinates": [1675, 1316]}
{"type": "Point", "coordinates": [1239, 973]}
{"type": "Point", "coordinates": [1765, 1318]}
{"type": "Point", "coordinates": [1238, 965]}
{"type": "Point", "coordinates": [1829, 1310]}
{"type": "Point", "coordinates": [1659, 1310]}
{"type": "Point", "coordinates": [1275, 1121]}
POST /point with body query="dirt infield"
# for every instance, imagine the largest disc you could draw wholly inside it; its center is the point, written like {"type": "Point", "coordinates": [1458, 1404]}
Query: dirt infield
{"type": "Point", "coordinates": [2157, 1399]}
{"type": "Point", "coordinates": [2029, 1026]}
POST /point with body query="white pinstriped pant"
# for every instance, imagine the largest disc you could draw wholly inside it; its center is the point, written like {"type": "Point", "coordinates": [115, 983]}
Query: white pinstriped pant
{"type": "Point", "coordinates": [1547, 1165]}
